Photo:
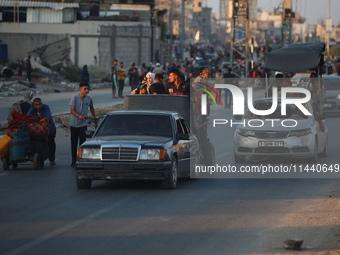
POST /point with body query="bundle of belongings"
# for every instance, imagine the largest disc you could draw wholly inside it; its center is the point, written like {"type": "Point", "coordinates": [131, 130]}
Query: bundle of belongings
{"type": "Point", "coordinates": [38, 127]}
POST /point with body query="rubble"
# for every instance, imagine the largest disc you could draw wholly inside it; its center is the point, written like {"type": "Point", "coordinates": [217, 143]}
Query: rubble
{"type": "Point", "coordinates": [17, 88]}
{"type": "Point", "coordinates": [293, 244]}
{"type": "Point", "coordinates": [49, 81]}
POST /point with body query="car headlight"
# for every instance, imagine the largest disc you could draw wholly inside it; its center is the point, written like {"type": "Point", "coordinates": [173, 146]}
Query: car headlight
{"type": "Point", "coordinates": [152, 154]}
{"type": "Point", "coordinates": [338, 96]}
{"type": "Point", "coordinates": [300, 132]}
{"type": "Point", "coordinates": [89, 153]}
{"type": "Point", "coordinates": [246, 133]}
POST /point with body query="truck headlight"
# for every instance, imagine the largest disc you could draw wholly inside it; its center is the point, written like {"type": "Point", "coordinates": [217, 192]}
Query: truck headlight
{"type": "Point", "coordinates": [89, 153]}
{"type": "Point", "coordinates": [301, 132]}
{"type": "Point", "coordinates": [152, 154]}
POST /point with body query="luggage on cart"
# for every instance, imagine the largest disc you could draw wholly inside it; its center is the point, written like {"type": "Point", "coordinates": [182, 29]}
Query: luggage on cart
{"type": "Point", "coordinates": [4, 146]}
{"type": "Point", "coordinates": [29, 141]}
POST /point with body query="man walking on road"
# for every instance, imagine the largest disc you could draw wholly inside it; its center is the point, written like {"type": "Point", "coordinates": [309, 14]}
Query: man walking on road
{"type": "Point", "coordinates": [114, 78]}
{"type": "Point", "coordinates": [28, 68]}
{"type": "Point", "coordinates": [79, 107]}
{"type": "Point", "coordinates": [121, 79]}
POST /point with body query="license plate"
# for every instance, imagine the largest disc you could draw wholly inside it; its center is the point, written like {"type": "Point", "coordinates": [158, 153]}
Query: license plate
{"type": "Point", "coordinates": [271, 144]}
{"type": "Point", "coordinates": [327, 105]}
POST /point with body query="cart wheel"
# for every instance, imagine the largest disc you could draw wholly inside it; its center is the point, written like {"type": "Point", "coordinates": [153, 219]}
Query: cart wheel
{"type": "Point", "coordinates": [14, 165]}
{"type": "Point", "coordinates": [5, 163]}
{"type": "Point", "coordinates": [36, 161]}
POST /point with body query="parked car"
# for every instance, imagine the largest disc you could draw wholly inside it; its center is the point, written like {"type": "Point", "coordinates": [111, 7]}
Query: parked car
{"type": "Point", "coordinates": [332, 104]}
{"type": "Point", "coordinates": [272, 139]}
{"type": "Point", "coordinates": [138, 145]}
{"type": "Point", "coordinates": [332, 85]}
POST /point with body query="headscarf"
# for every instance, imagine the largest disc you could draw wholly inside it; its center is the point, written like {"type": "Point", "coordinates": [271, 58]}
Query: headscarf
{"type": "Point", "coordinates": [27, 96]}
{"type": "Point", "coordinates": [85, 77]}
{"type": "Point", "coordinates": [152, 76]}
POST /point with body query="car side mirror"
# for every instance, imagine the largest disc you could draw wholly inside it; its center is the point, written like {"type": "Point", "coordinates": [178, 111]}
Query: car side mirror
{"type": "Point", "coordinates": [183, 136]}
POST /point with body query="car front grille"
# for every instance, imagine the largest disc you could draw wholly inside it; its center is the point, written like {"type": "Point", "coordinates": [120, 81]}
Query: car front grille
{"type": "Point", "coordinates": [331, 107]}
{"type": "Point", "coordinates": [120, 153]}
{"type": "Point", "coordinates": [271, 150]}
{"type": "Point", "coordinates": [264, 135]}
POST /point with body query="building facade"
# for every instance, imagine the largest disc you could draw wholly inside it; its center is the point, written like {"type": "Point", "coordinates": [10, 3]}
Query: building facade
{"type": "Point", "coordinates": [75, 34]}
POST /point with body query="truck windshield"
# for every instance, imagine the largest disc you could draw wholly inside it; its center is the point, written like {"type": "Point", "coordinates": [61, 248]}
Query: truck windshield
{"type": "Point", "coordinates": [136, 124]}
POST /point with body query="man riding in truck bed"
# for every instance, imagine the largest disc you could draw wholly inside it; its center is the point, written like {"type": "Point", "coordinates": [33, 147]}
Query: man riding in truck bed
{"type": "Point", "coordinates": [176, 86]}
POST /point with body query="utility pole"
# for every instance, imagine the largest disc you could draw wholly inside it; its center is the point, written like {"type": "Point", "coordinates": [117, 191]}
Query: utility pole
{"type": "Point", "coordinates": [171, 17]}
{"type": "Point", "coordinates": [286, 27]}
{"type": "Point", "coordinates": [16, 14]}
{"type": "Point", "coordinates": [296, 6]}
{"type": "Point", "coordinates": [182, 29]}
{"type": "Point", "coordinates": [240, 34]}
{"type": "Point", "coordinates": [328, 26]}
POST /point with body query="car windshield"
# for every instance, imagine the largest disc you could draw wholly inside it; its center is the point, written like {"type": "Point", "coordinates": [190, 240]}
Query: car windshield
{"type": "Point", "coordinates": [135, 124]}
{"type": "Point", "coordinates": [292, 112]}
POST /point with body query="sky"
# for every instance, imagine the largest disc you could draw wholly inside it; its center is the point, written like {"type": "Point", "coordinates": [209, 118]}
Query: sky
{"type": "Point", "coordinates": [313, 10]}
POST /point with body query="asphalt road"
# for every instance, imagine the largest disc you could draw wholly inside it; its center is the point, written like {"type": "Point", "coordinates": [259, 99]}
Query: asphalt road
{"type": "Point", "coordinates": [42, 212]}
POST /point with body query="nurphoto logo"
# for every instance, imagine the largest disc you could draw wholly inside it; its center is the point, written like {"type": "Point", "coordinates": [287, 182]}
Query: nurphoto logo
{"type": "Point", "coordinates": [238, 100]}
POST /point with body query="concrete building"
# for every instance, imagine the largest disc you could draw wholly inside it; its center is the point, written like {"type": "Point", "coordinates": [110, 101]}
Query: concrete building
{"type": "Point", "coordinates": [197, 18]}
{"type": "Point", "coordinates": [75, 33]}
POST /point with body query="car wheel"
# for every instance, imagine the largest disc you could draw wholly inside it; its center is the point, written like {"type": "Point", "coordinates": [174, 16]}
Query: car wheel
{"type": "Point", "coordinates": [14, 165]}
{"type": "Point", "coordinates": [315, 156]}
{"type": "Point", "coordinates": [324, 153]}
{"type": "Point", "coordinates": [36, 161]}
{"type": "Point", "coordinates": [238, 159]}
{"type": "Point", "coordinates": [83, 183]}
{"type": "Point", "coordinates": [171, 181]}
{"type": "Point", "coordinates": [5, 163]}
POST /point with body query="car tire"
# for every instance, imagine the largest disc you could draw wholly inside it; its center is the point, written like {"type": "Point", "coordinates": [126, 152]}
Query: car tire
{"type": "Point", "coordinates": [171, 181]}
{"type": "Point", "coordinates": [238, 159]}
{"type": "Point", "coordinates": [83, 183]}
{"type": "Point", "coordinates": [36, 161]}
{"type": "Point", "coordinates": [5, 163]}
{"type": "Point", "coordinates": [315, 156]}
{"type": "Point", "coordinates": [324, 153]}
{"type": "Point", "coordinates": [14, 165]}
